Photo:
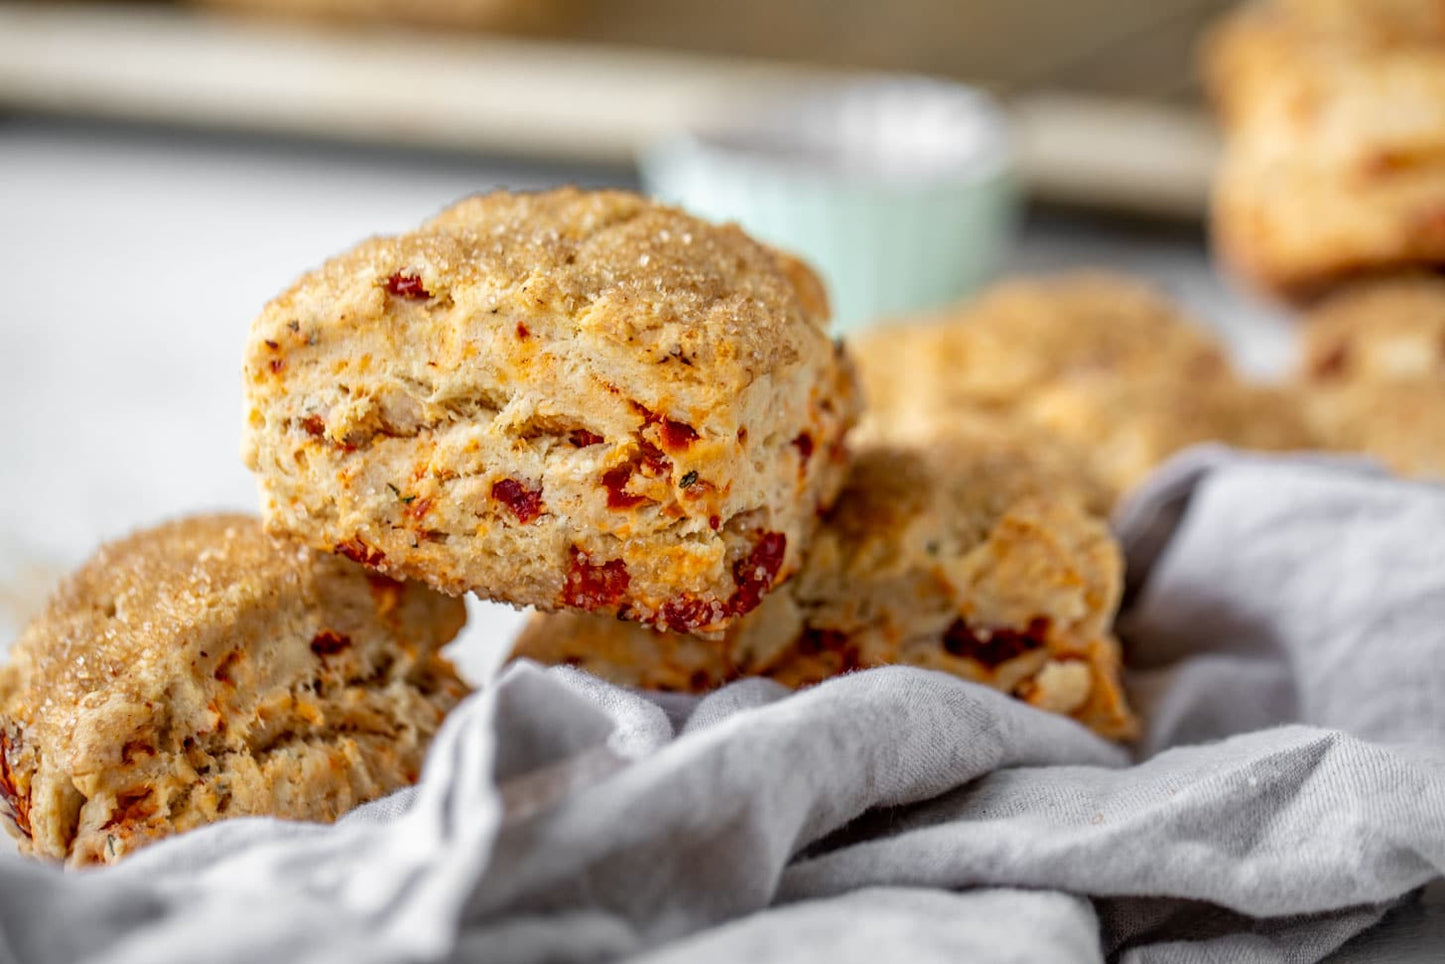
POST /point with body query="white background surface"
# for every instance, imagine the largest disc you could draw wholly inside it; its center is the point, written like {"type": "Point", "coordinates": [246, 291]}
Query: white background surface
{"type": "Point", "coordinates": [133, 262]}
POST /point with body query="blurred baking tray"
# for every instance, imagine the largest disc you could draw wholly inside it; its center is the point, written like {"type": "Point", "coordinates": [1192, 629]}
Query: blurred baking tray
{"type": "Point", "coordinates": [532, 98]}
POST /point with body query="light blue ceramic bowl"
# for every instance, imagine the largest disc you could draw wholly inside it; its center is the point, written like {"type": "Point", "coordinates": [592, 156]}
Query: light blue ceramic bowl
{"type": "Point", "coordinates": [899, 190]}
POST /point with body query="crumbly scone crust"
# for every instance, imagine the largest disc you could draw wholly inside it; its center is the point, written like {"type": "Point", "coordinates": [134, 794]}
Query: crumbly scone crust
{"type": "Point", "coordinates": [567, 399]}
{"type": "Point", "coordinates": [202, 670]}
{"type": "Point", "coordinates": [1128, 427]}
{"type": "Point", "coordinates": [996, 350]}
{"type": "Point", "coordinates": [1398, 422]}
{"type": "Point", "coordinates": [1387, 330]}
{"type": "Point", "coordinates": [1109, 373]}
{"type": "Point", "coordinates": [1331, 169]}
{"type": "Point", "coordinates": [971, 561]}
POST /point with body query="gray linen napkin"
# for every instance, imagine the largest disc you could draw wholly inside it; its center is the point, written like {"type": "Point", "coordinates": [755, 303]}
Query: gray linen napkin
{"type": "Point", "coordinates": [1288, 622]}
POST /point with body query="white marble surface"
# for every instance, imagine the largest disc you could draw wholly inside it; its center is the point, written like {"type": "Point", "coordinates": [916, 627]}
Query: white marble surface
{"type": "Point", "coordinates": [133, 262]}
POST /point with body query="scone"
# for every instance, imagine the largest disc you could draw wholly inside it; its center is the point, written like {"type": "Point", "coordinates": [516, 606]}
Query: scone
{"type": "Point", "coordinates": [1387, 330]}
{"type": "Point", "coordinates": [570, 399]}
{"type": "Point", "coordinates": [995, 351]}
{"type": "Point", "coordinates": [1397, 422]}
{"type": "Point", "coordinates": [1262, 44]}
{"type": "Point", "coordinates": [963, 558]}
{"type": "Point", "coordinates": [1336, 168]}
{"type": "Point", "coordinates": [203, 670]}
{"type": "Point", "coordinates": [1127, 427]}
{"type": "Point", "coordinates": [1101, 366]}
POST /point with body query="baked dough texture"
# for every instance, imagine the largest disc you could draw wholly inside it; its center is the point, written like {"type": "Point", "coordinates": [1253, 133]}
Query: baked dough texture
{"type": "Point", "coordinates": [1103, 367]}
{"type": "Point", "coordinates": [1386, 330]}
{"type": "Point", "coordinates": [961, 554]}
{"type": "Point", "coordinates": [995, 351]}
{"type": "Point", "coordinates": [202, 670]}
{"type": "Point", "coordinates": [1372, 372]}
{"type": "Point", "coordinates": [1398, 422]}
{"type": "Point", "coordinates": [1334, 164]}
{"type": "Point", "coordinates": [569, 399]}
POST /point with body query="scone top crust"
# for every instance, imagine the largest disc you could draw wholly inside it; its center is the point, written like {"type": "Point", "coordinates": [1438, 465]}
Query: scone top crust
{"type": "Point", "coordinates": [1392, 329]}
{"type": "Point", "coordinates": [190, 646]}
{"type": "Point", "coordinates": [996, 349]}
{"type": "Point", "coordinates": [566, 399]}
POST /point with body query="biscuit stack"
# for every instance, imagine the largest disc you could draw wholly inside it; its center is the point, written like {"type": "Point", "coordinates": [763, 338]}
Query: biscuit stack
{"type": "Point", "coordinates": [1332, 187]}
{"type": "Point", "coordinates": [633, 421]}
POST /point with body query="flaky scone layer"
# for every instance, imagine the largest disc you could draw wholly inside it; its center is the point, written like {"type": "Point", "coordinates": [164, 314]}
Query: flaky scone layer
{"type": "Point", "coordinates": [202, 670]}
{"type": "Point", "coordinates": [568, 399]}
{"type": "Point", "coordinates": [1398, 422]}
{"type": "Point", "coordinates": [995, 351]}
{"type": "Point", "coordinates": [950, 555]}
{"type": "Point", "coordinates": [1104, 370]}
{"type": "Point", "coordinates": [1391, 329]}
{"type": "Point", "coordinates": [1333, 164]}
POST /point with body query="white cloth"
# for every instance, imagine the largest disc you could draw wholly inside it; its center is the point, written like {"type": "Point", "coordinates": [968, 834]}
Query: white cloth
{"type": "Point", "coordinates": [1288, 622]}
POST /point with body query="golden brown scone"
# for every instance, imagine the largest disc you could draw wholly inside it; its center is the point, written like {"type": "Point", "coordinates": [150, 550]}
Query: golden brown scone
{"type": "Point", "coordinates": [995, 351]}
{"type": "Point", "coordinates": [1335, 162]}
{"type": "Point", "coordinates": [969, 560]}
{"type": "Point", "coordinates": [1386, 330]}
{"type": "Point", "coordinates": [1267, 44]}
{"type": "Point", "coordinates": [568, 399]}
{"type": "Point", "coordinates": [1128, 427]}
{"type": "Point", "coordinates": [482, 15]}
{"type": "Point", "coordinates": [1397, 422]}
{"type": "Point", "coordinates": [1109, 373]}
{"type": "Point", "coordinates": [203, 670]}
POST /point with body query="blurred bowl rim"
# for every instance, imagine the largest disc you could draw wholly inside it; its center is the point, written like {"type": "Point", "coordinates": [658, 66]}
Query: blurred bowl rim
{"type": "Point", "coordinates": [848, 135]}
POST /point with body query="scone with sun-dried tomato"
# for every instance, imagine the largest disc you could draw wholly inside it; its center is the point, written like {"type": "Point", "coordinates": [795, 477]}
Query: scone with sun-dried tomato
{"type": "Point", "coordinates": [1128, 427]}
{"type": "Point", "coordinates": [1334, 171]}
{"type": "Point", "coordinates": [202, 670]}
{"type": "Point", "coordinates": [570, 399]}
{"type": "Point", "coordinates": [961, 554]}
{"type": "Point", "coordinates": [995, 351]}
{"type": "Point", "coordinates": [1387, 330]}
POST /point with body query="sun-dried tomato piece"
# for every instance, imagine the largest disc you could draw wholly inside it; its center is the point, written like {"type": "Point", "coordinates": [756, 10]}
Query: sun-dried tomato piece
{"type": "Point", "coordinates": [525, 503]}
{"type": "Point", "coordinates": [804, 444]}
{"type": "Point", "coordinates": [651, 457]}
{"type": "Point", "coordinates": [993, 647]}
{"type": "Point", "coordinates": [523, 332]}
{"type": "Point", "coordinates": [418, 510]}
{"type": "Point", "coordinates": [616, 480]}
{"type": "Point", "coordinates": [407, 286]}
{"type": "Point", "coordinates": [688, 614]}
{"type": "Point", "coordinates": [754, 574]}
{"type": "Point", "coordinates": [1332, 365]}
{"type": "Point", "coordinates": [223, 668]}
{"type": "Point", "coordinates": [276, 364]}
{"type": "Point", "coordinates": [314, 425]}
{"type": "Point", "coordinates": [582, 438]}
{"type": "Point", "coordinates": [591, 585]}
{"type": "Point", "coordinates": [386, 592]}
{"type": "Point", "coordinates": [329, 642]}
{"type": "Point", "coordinates": [358, 551]}
{"type": "Point", "coordinates": [714, 522]}
{"type": "Point", "coordinates": [677, 436]}
{"type": "Point", "coordinates": [132, 806]}
{"type": "Point", "coordinates": [16, 802]}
